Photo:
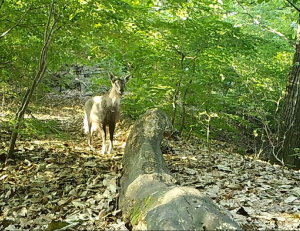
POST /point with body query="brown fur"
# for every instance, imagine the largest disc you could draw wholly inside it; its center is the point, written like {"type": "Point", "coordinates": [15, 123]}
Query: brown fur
{"type": "Point", "coordinates": [103, 111]}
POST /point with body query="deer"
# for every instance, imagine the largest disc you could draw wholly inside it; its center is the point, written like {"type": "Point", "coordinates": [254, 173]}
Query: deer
{"type": "Point", "coordinates": [103, 111]}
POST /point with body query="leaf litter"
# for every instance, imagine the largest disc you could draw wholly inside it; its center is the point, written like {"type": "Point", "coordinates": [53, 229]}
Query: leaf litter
{"type": "Point", "coordinates": [259, 196]}
{"type": "Point", "coordinates": [59, 184]}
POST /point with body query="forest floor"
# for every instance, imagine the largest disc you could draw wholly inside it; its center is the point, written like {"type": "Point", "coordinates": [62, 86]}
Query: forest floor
{"type": "Point", "coordinates": [58, 183]}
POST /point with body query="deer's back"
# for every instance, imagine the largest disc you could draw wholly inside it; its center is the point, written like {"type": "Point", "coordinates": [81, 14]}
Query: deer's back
{"type": "Point", "coordinates": [102, 109]}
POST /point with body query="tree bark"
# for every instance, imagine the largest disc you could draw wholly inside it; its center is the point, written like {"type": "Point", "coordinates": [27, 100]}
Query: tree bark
{"type": "Point", "coordinates": [20, 20]}
{"type": "Point", "coordinates": [183, 114]}
{"type": "Point", "coordinates": [289, 131]}
{"type": "Point", "coordinates": [149, 197]}
{"type": "Point", "coordinates": [49, 30]}
{"type": "Point", "coordinates": [184, 108]}
{"type": "Point", "coordinates": [176, 93]}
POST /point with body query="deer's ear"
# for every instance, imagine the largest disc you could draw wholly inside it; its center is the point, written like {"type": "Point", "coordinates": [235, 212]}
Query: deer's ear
{"type": "Point", "coordinates": [111, 77]}
{"type": "Point", "coordinates": [127, 78]}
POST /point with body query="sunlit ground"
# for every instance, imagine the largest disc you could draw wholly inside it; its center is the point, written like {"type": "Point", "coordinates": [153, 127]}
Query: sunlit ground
{"type": "Point", "coordinates": [58, 179]}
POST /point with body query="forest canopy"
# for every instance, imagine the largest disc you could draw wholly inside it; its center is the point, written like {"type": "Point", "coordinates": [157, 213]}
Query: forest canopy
{"type": "Point", "coordinates": [222, 78]}
{"type": "Point", "coordinates": [219, 69]}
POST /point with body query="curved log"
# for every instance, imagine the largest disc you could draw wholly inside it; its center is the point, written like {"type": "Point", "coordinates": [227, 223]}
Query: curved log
{"type": "Point", "coordinates": [149, 196]}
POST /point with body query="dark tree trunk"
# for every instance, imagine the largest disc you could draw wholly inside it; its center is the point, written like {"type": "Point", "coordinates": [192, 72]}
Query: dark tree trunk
{"type": "Point", "coordinates": [149, 197]}
{"type": "Point", "coordinates": [178, 85]}
{"type": "Point", "coordinates": [289, 131]}
{"type": "Point", "coordinates": [184, 108]}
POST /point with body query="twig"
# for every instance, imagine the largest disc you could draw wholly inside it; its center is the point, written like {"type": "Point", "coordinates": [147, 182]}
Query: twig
{"type": "Point", "coordinates": [265, 27]}
{"type": "Point", "coordinates": [1, 4]}
{"type": "Point", "coordinates": [293, 5]}
{"type": "Point", "coordinates": [113, 212]}
{"type": "Point", "coordinates": [20, 20]}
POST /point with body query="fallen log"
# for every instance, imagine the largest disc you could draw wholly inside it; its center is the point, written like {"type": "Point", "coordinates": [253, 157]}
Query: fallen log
{"type": "Point", "coordinates": [149, 197]}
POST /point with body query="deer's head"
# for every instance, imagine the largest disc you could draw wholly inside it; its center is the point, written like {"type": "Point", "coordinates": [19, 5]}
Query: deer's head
{"type": "Point", "coordinates": [119, 83]}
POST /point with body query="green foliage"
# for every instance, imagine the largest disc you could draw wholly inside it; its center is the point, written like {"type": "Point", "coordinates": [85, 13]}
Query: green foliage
{"type": "Point", "coordinates": [205, 57]}
{"type": "Point", "coordinates": [296, 152]}
{"type": "Point", "coordinates": [38, 129]}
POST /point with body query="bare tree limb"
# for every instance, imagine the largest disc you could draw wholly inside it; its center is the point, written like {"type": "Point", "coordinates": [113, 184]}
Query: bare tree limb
{"type": "Point", "coordinates": [185, 94]}
{"type": "Point", "coordinates": [49, 30]}
{"type": "Point", "coordinates": [2, 65]}
{"type": "Point", "coordinates": [293, 5]}
{"type": "Point", "coordinates": [20, 20]}
{"type": "Point", "coordinates": [48, 22]}
{"type": "Point", "coordinates": [1, 4]}
{"type": "Point", "coordinates": [266, 27]}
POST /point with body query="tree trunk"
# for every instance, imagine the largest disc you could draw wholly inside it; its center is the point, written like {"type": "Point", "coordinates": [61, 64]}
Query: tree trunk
{"type": "Point", "coordinates": [149, 197]}
{"type": "Point", "coordinates": [49, 30]}
{"type": "Point", "coordinates": [184, 97]}
{"type": "Point", "coordinates": [183, 108]}
{"type": "Point", "coordinates": [289, 131]}
{"type": "Point", "coordinates": [176, 93]}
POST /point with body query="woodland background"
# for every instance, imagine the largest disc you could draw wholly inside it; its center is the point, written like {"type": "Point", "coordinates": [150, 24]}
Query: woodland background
{"type": "Point", "coordinates": [219, 69]}
{"type": "Point", "coordinates": [211, 63]}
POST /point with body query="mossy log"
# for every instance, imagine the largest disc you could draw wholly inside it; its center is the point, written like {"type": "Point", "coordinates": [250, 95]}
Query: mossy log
{"type": "Point", "coordinates": [149, 197]}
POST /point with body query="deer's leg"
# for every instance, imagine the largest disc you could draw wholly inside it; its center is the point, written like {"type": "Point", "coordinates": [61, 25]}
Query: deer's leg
{"type": "Point", "coordinates": [92, 127]}
{"type": "Point", "coordinates": [103, 134]}
{"type": "Point", "coordinates": [89, 138]}
{"type": "Point", "coordinates": [87, 128]}
{"type": "Point", "coordinates": [90, 134]}
{"type": "Point", "coordinates": [111, 136]}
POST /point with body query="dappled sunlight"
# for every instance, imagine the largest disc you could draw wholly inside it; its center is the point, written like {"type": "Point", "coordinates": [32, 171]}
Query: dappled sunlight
{"type": "Point", "coordinates": [47, 117]}
{"type": "Point", "coordinates": [87, 179]}
{"type": "Point", "coordinates": [177, 192]}
{"type": "Point", "coordinates": [246, 187]}
{"type": "Point", "coordinates": [225, 72]}
{"type": "Point", "coordinates": [256, 193]}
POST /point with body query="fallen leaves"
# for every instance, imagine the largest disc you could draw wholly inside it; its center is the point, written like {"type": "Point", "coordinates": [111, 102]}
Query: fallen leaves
{"type": "Point", "coordinates": [258, 195]}
{"type": "Point", "coordinates": [62, 185]}
{"type": "Point", "coordinates": [58, 186]}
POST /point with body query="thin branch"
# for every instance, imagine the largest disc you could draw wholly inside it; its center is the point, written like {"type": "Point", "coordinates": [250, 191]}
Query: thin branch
{"type": "Point", "coordinates": [265, 27]}
{"type": "Point", "coordinates": [5, 63]}
{"type": "Point", "coordinates": [46, 36]}
{"type": "Point", "coordinates": [20, 20]}
{"type": "Point", "coordinates": [293, 5]}
{"type": "Point", "coordinates": [273, 31]}
{"type": "Point", "coordinates": [1, 4]}
{"type": "Point", "coordinates": [47, 39]}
